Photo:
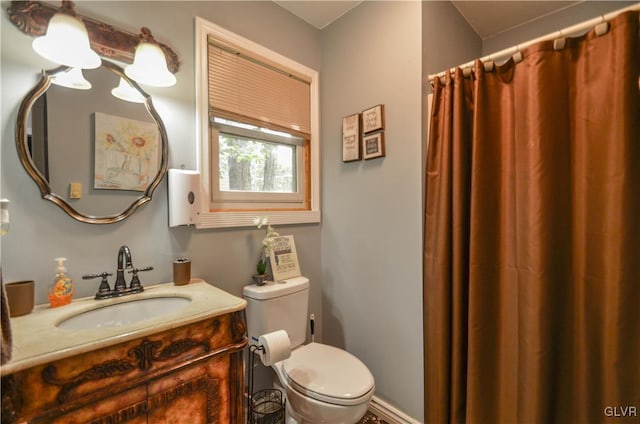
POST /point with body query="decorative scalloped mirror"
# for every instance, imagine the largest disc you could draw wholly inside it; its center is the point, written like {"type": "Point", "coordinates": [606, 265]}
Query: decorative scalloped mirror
{"type": "Point", "coordinates": [80, 142]}
{"type": "Point", "coordinates": [114, 152]}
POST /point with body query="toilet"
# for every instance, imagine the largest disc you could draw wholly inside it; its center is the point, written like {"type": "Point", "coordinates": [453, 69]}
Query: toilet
{"type": "Point", "coordinates": [322, 384]}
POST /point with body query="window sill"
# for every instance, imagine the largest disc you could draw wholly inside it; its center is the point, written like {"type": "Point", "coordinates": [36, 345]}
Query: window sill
{"type": "Point", "coordinates": [245, 219]}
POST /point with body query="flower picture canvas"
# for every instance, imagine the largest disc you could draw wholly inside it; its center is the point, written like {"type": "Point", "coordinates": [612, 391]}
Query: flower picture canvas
{"type": "Point", "coordinates": [126, 153]}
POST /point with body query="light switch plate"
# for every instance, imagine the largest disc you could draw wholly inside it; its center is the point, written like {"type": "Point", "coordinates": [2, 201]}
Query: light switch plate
{"type": "Point", "coordinates": [75, 190]}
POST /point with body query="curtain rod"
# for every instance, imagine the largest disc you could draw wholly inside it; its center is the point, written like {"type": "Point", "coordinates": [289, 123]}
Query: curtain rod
{"type": "Point", "coordinates": [551, 36]}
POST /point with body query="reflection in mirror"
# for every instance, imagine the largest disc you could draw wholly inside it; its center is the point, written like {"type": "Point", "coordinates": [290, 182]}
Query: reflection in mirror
{"type": "Point", "coordinates": [110, 152]}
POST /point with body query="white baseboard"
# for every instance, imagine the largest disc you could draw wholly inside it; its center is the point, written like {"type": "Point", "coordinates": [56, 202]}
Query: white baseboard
{"type": "Point", "coordinates": [389, 412]}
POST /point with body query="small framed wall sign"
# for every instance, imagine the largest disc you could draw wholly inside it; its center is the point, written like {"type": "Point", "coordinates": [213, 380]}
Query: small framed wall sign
{"type": "Point", "coordinates": [351, 138]}
{"type": "Point", "coordinates": [373, 119]}
{"type": "Point", "coordinates": [373, 145]}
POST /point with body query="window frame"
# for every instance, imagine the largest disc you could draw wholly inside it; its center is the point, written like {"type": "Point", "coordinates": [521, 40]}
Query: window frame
{"type": "Point", "coordinates": [229, 199]}
{"type": "Point", "coordinates": [223, 219]}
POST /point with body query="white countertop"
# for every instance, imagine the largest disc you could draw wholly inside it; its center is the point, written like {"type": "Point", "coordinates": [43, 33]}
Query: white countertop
{"type": "Point", "coordinates": [37, 339]}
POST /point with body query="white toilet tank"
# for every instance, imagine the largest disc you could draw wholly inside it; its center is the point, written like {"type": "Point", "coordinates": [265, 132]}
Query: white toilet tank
{"type": "Point", "coordinates": [281, 305]}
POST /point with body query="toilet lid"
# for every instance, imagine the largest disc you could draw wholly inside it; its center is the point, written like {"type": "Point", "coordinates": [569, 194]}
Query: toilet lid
{"type": "Point", "coordinates": [328, 374]}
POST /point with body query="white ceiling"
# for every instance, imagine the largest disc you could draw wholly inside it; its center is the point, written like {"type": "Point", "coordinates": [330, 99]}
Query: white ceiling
{"type": "Point", "coordinates": [318, 13]}
{"type": "Point", "coordinates": [487, 18]}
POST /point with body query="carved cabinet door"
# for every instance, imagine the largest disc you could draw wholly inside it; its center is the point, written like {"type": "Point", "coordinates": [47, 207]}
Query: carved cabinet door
{"type": "Point", "coordinates": [197, 394]}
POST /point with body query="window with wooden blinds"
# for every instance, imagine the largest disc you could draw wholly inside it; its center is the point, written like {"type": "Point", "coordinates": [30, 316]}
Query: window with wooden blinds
{"type": "Point", "coordinates": [258, 119]}
{"type": "Point", "coordinates": [244, 86]}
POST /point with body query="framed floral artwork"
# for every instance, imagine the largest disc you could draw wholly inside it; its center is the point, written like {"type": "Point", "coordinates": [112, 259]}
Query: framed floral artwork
{"type": "Point", "coordinates": [373, 145]}
{"type": "Point", "coordinates": [126, 153]}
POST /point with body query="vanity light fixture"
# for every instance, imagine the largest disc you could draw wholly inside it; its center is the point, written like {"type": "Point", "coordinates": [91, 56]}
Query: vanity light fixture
{"type": "Point", "coordinates": [71, 78]}
{"type": "Point", "coordinates": [150, 64]}
{"type": "Point", "coordinates": [124, 91]}
{"type": "Point", "coordinates": [67, 41]}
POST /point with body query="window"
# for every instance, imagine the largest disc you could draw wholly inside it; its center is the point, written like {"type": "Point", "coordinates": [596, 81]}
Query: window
{"type": "Point", "coordinates": [258, 127]}
{"type": "Point", "coordinates": [256, 168]}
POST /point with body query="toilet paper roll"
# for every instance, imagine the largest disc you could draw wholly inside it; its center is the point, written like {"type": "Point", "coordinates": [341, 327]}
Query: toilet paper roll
{"type": "Point", "coordinates": [276, 345]}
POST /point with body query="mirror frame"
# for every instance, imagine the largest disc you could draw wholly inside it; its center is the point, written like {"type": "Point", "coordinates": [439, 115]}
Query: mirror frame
{"type": "Point", "coordinates": [45, 189]}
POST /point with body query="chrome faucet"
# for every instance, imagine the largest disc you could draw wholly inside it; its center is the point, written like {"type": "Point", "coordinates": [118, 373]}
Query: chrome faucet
{"type": "Point", "coordinates": [120, 286]}
{"type": "Point", "coordinates": [124, 255]}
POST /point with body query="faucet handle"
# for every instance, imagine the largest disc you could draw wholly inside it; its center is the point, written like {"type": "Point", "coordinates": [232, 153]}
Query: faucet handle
{"type": "Point", "coordinates": [137, 270]}
{"type": "Point", "coordinates": [104, 284]}
{"type": "Point", "coordinates": [135, 281]}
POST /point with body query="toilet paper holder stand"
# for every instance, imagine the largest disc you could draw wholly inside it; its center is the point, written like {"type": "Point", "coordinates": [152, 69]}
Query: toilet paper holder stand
{"type": "Point", "coordinates": [265, 406]}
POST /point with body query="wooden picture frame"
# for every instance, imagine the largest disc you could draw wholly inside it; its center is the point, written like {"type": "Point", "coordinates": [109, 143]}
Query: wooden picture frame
{"type": "Point", "coordinates": [373, 145]}
{"type": "Point", "coordinates": [373, 119]}
{"type": "Point", "coordinates": [126, 152]}
{"type": "Point", "coordinates": [351, 150]}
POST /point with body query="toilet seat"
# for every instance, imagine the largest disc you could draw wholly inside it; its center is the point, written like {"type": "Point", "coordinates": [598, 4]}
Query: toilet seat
{"type": "Point", "coordinates": [328, 374]}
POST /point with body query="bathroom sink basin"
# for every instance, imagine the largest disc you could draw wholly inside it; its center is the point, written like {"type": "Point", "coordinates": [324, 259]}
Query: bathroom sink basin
{"type": "Point", "coordinates": [124, 313]}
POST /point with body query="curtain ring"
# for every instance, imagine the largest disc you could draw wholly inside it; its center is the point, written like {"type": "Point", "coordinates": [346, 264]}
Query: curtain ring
{"type": "Point", "coordinates": [559, 43]}
{"type": "Point", "coordinates": [517, 56]}
{"type": "Point", "coordinates": [603, 27]}
{"type": "Point", "coordinates": [488, 66]}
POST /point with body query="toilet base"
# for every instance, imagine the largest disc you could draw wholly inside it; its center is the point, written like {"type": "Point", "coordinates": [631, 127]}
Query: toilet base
{"type": "Point", "coordinates": [290, 418]}
{"type": "Point", "coordinates": [294, 417]}
{"type": "Point", "coordinates": [302, 409]}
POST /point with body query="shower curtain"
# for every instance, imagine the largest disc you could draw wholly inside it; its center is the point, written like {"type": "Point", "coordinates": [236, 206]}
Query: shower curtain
{"type": "Point", "coordinates": [532, 237]}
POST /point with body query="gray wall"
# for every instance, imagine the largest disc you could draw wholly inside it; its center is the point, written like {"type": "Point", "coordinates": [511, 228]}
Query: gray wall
{"type": "Point", "coordinates": [40, 231]}
{"type": "Point", "coordinates": [572, 15]}
{"type": "Point", "coordinates": [447, 38]}
{"type": "Point", "coordinates": [372, 227]}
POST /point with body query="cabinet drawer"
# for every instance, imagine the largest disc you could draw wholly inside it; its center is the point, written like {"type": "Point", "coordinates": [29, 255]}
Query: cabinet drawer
{"type": "Point", "coordinates": [128, 407]}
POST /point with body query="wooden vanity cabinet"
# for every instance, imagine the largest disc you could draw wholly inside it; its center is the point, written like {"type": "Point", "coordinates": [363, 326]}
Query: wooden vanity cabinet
{"type": "Point", "coordinates": [190, 374]}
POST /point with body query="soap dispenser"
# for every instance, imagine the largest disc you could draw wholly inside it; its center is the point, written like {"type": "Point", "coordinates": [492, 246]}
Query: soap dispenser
{"type": "Point", "coordinates": [61, 289]}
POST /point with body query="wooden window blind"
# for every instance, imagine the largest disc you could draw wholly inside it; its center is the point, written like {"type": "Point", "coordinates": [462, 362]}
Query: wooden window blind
{"type": "Point", "coordinates": [244, 86]}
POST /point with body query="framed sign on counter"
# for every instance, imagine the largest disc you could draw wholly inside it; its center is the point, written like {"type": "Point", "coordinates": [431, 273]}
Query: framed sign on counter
{"type": "Point", "coordinates": [284, 258]}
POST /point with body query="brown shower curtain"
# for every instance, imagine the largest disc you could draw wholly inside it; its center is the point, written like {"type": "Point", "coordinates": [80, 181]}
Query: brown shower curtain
{"type": "Point", "coordinates": [532, 237]}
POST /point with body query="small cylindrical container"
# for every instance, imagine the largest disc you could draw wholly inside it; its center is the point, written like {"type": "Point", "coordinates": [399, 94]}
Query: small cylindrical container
{"type": "Point", "coordinates": [20, 297]}
{"type": "Point", "coordinates": [181, 271]}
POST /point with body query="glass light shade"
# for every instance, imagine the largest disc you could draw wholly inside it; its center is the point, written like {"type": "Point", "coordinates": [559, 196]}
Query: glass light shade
{"type": "Point", "coordinates": [150, 66]}
{"type": "Point", "coordinates": [72, 78]}
{"type": "Point", "coordinates": [67, 43]}
{"type": "Point", "coordinates": [124, 91]}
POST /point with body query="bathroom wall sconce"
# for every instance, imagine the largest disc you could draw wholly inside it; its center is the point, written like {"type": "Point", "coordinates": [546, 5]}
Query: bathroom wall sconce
{"type": "Point", "coordinates": [124, 91]}
{"type": "Point", "coordinates": [73, 78]}
{"type": "Point", "coordinates": [149, 64]}
{"type": "Point", "coordinates": [66, 41]}
{"type": "Point", "coordinates": [33, 17]}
